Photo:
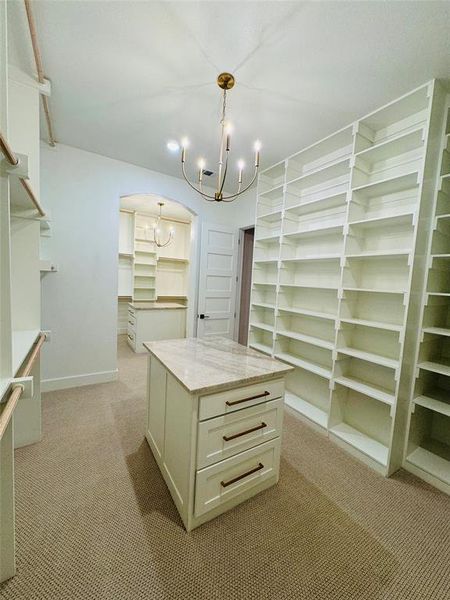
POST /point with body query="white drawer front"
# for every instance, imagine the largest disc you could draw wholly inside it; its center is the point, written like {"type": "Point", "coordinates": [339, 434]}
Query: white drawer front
{"type": "Point", "coordinates": [131, 339]}
{"type": "Point", "coordinates": [236, 476]}
{"type": "Point", "coordinates": [230, 434]}
{"type": "Point", "coordinates": [221, 403]}
{"type": "Point", "coordinates": [131, 323]}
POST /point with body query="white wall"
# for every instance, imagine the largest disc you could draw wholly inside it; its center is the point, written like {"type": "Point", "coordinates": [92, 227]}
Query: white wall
{"type": "Point", "coordinates": [81, 191]}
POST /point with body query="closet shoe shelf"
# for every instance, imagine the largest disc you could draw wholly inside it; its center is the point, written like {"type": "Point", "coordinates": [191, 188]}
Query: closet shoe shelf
{"type": "Point", "coordinates": [338, 225]}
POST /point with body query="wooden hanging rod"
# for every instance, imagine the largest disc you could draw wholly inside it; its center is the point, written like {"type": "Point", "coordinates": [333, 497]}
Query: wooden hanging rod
{"type": "Point", "coordinates": [7, 413]}
{"type": "Point", "coordinates": [27, 187]}
{"type": "Point", "coordinates": [7, 151]}
{"type": "Point", "coordinates": [39, 69]}
{"type": "Point", "coordinates": [26, 370]}
{"type": "Point", "coordinates": [17, 391]}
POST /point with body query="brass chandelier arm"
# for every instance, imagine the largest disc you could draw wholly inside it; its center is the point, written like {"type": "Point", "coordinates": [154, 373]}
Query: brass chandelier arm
{"type": "Point", "coordinates": [205, 196]}
{"type": "Point", "coordinates": [213, 198]}
{"type": "Point", "coordinates": [239, 192]}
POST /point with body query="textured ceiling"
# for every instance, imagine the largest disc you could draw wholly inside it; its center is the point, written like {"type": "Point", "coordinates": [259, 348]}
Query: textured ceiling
{"type": "Point", "coordinates": [129, 76]}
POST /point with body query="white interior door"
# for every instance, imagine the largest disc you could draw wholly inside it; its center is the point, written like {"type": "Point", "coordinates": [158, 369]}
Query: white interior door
{"type": "Point", "coordinates": [217, 283]}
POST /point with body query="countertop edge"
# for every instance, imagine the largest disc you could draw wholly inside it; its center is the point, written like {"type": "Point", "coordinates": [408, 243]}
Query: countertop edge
{"type": "Point", "coordinates": [223, 386]}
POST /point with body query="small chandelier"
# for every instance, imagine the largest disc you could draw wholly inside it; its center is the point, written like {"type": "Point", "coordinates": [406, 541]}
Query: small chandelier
{"type": "Point", "coordinates": [225, 81]}
{"type": "Point", "coordinates": [157, 230]}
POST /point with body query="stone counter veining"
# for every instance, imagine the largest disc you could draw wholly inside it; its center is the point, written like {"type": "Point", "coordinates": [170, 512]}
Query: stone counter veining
{"type": "Point", "coordinates": [155, 305]}
{"type": "Point", "coordinates": [209, 365]}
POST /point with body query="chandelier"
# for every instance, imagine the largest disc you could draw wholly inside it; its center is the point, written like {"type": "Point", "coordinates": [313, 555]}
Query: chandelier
{"type": "Point", "coordinates": [226, 82]}
{"type": "Point", "coordinates": [157, 230]}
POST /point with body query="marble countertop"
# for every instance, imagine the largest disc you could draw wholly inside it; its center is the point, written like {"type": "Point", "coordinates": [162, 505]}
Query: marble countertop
{"type": "Point", "coordinates": [216, 363]}
{"type": "Point", "coordinates": [155, 305]}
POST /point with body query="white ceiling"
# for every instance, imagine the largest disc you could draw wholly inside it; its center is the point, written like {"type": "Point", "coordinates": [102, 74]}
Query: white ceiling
{"type": "Point", "coordinates": [129, 76]}
{"type": "Point", "coordinates": [148, 203]}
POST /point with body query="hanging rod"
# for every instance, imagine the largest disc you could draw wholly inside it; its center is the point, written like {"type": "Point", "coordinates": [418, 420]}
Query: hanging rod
{"type": "Point", "coordinates": [34, 200]}
{"type": "Point", "coordinates": [25, 372]}
{"type": "Point", "coordinates": [7, 413]}
{"type": "Point", "coordinates": [5, 148]}
{"type": "Point", "coordinates": [18, 388]}
{"type": "Point", "coordinates": [7, 151]}
{"type": "Point", "coordinates": [39, 69]}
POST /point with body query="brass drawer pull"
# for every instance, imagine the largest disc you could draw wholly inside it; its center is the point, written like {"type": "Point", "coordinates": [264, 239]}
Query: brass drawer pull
{"type": "Point", "coordinates": [228, 403]}
{"type": "Point", "coordinates": [254, 470]}
{"type": "Point", "coordinates": [227, 438]}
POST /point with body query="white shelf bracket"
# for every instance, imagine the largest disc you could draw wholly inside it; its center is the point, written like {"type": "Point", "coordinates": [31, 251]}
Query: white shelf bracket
{"type": "Point", "coordinates": [19, 170]}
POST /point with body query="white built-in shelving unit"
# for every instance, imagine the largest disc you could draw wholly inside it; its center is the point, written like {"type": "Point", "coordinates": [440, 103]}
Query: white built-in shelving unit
{"type": "Point", "coordinates": [23, 223]}
{"type": "Point", "coordinates": [148, 272]}
{"type": "Point", "coordinates": [336, 243]}
{"type": "Point", "coordinates": [427, 451]}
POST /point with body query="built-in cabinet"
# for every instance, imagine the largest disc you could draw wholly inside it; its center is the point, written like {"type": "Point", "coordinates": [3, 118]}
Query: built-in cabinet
{"type": "Point", "coordinates": [428, 439]}
{"type": "Point", "coordinates": [338, 273]}
{"type": "Point", "coordinates": [23, 224]}
{"type": "Point", "coordinates": [148, 272]}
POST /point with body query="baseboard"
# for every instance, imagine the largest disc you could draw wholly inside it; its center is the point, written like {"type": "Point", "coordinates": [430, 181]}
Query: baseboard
{"type": "Point", "coordinates": [63, 383]}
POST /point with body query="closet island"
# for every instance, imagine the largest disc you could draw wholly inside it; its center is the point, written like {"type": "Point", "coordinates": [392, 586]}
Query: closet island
{"type": "Point", "coordinates": [214, 421]}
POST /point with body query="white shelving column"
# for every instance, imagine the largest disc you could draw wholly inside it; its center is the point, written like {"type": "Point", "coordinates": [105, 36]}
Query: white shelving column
{"type": "Point", "coordinates": [310, 272]}
{"type": "Point", "coordinates": [335, 292]}
{"type": "Point", "coordinates": [144, 264]}
{"type": "Point", "coordinates": [387, 174]}
{"type": "Point", "coordinates": [266, 256]}
{"type": "Point", "coordinates": [427, 452]}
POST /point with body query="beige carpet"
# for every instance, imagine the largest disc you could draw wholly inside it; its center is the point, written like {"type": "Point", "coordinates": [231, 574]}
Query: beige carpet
{"type": "Point", "coordinates": [95, 520]}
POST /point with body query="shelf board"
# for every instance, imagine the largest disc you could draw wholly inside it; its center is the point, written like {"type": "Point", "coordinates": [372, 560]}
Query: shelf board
{"type": "Point", "coordinates": [271, 216]}
{"type": "Point", "coordinates": [374, 291]}
{"type": "Point", "coordinates": [437, 331]}
{"type": "Point", "coordinates": [264, 284]}
{"type": "Point", "coordinates": [144, 287]}
{"type": "Point", "coordinates": [331, 170]}
{"type": "Point", "coordinates": [304, 364]}
{"type": "Point", "coordinates": [326, 202]}
{"type": "Point", "coordinates": [170, 259]}
{"type": "Point", "coordinates": [309, 339]}
{"type": "Point", "coordinates": [22, 342]}
{"type": "Point", "coordinates": [306, 409]}
{"type": "Point", "coordinates": [315, 257]}
{"type": "Point", "coordinates": [308, 313]}
{"type": "Point", "coordinates": [374, 324]}
{"type": "Point", "coordinates": [125, 255]}
{"type": "Point", "coordinates": [144, 264]}
{"type": "Point", "coordinates": [262, 326]}
{"type": "Point", "coordinates": [265, 261]}
{"type": "Point", "coordinates": [430, 463]}
{"type": "Point", "coordinates": [266, 238]}
{"type": "Point", "coordinates": [370, 357]}
{"type": "Point", "coordinates": [362, 442]}
{"type": "Point", "coordinates": [404, 218]}
{"type": "Point", "coordinates": [144, 240]}
{"type": "Point", "coordinates": [261, 347]}
{"type": "Point", "coordinates": [327, 229]}
{"type": "Point", "coordinates": [373, 254]}
{"type": "Point", "coordinates": [310, 286]}
{"type": "Point", "coordinates": [279, 186]}
{"type": "Point", "coordinates": [263, 305]}
{"type": "Point", "coordinates": [439, 294]}
{"type": "Point", "coordinates": [378, 393]}
{"type": "Point", "coordinates": [394, 146]}
{"type": "Point", "coordinates": [390, 185]}
{"type": "Point", "coordinates": [435, 401]}
{"type": "Point", "coordinates": [434, 367]}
